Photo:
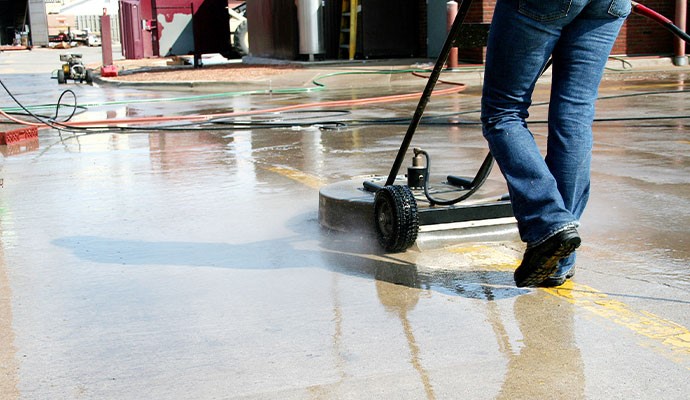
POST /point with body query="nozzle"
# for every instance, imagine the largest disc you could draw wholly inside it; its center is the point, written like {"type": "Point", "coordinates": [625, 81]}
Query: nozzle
{"type": "Point", "coordinates": [417, 160]}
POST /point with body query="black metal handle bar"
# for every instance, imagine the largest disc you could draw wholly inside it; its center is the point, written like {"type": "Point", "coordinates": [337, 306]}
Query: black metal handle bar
{"type": "Point", "coordinates": [431, 83]}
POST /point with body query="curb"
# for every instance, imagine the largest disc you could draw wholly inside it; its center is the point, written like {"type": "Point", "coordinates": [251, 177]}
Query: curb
{"type": "Point", "coordinates": [470, 76]}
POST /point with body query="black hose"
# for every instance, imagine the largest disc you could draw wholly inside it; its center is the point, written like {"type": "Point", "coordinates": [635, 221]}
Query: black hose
{"type": "Point", "coordinates": [59, 104]}
{"type": "Point", "coordinates": [477, 182]}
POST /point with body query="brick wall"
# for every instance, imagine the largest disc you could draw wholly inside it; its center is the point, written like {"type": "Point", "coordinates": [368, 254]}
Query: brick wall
{"type": "Point", "coordinates": [642, 36]}
{"type": "Point", "coordinates": [639, 35]}
{"type": "Point", "coordinates": [480, 11]}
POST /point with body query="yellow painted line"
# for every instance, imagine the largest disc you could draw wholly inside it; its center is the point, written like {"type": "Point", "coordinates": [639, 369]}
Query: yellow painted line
{"type": "Point", "coordinates": [673, 336]}
{"type": "Point", "coordinates": [487, 256]}
{"type": "Point", "coordinates": [299, 176]}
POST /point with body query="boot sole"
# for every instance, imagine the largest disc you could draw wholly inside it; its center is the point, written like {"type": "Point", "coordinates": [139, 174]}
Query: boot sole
{"type": "Point", "coordinates": [541, 273]}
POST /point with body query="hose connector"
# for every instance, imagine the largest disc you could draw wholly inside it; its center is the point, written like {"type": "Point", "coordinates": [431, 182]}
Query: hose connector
{"type": "Point", "coordinates": [417, 173]}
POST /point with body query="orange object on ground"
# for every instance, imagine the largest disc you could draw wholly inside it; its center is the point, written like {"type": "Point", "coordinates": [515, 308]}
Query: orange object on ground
{"type": "Point", "coordinates": [108, 71]}
{"type": "Point", "coordinates": [18, 134]}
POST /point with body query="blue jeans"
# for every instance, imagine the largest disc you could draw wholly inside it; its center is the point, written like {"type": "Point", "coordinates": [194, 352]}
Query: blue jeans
{"type": "Point", "coordinates": [548, 194]}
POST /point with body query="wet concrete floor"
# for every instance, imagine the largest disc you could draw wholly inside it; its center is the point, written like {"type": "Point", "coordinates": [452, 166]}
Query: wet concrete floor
{"type": "Point", "coordinates": [190, 264]}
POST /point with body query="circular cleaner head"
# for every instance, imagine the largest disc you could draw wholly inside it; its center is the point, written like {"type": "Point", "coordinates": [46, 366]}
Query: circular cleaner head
{"type": "Point", "coordinates": [349, 208]}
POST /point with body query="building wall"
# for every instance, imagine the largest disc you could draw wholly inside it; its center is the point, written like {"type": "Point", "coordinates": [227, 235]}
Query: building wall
{"type": "Point", "coordinates": [481, 11]}
{"type": "Point", "coordinates": [273, 30]}
{"type": "Point", "coordinates": [639, 35]}
{"type": "Point", "coordinates": [136, 42]}
{"type": "Point", "coordinates": [192, 26]}
{"type": "Point", "coordinates": [153, 28]}
{"type": "Point", "coordinates": [642, 36]}
{"type": "Point", "coordinates": [93, 24]}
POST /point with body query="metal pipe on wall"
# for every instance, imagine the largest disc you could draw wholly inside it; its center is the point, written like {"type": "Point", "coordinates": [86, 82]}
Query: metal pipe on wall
{"type": "Point", "coordinates": [679, 44]}
{"type": "Point", "coordinates": [451, 13]}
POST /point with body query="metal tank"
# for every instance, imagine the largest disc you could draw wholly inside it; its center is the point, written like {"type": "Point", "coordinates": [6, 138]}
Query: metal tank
{"type": "Point", "coordinates": [310, 24]}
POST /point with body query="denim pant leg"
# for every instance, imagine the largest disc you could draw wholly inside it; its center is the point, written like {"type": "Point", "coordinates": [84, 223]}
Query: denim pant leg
{"type": "Point", "coordinates": [547, 195]}
{"type": "Point", "coordinates": [518, 48]}
{"type": "Point", "coordinates": [578, 64]}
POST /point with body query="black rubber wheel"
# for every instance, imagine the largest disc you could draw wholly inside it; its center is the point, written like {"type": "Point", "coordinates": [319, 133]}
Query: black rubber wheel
{"type": "Point", "coordinates": [396, 218]}
{"type": "Point", "coordinates": [61, 77]}
{"type": "Point", "coordinates": [89, 76]}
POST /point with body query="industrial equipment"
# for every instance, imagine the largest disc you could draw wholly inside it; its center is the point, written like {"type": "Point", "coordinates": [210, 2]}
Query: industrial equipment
{"type": "Point", "coordinates": [74, 69]}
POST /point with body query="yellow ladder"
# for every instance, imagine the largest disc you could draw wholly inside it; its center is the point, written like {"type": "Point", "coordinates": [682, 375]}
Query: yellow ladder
{"type": "Point", "coordinates": [348, 28]}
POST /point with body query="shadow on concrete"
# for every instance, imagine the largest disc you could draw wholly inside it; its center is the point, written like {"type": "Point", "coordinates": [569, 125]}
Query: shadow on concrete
{"type": "Point", "coordinates": [311, 247]}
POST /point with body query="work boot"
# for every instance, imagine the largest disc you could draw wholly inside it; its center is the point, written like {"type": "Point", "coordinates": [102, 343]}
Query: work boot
{"type": "Point", "coordinates": [541, 261]}
{"type": "Point", "coordinates": [554, 281]}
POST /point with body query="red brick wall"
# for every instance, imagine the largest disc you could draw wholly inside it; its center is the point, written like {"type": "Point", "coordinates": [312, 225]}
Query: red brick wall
{"type": "Point", "coordinates": [480, 11]}
{"type": "Point", "coordinates": [642, 36]}
{"type": "Point", "coordinates": [639, 35]}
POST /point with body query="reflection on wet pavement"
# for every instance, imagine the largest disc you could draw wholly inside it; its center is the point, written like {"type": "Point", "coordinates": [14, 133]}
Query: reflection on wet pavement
{"type": "Point", "coordinates": [548, 363]}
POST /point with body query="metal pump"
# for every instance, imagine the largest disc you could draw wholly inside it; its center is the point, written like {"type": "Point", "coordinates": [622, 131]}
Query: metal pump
{"type": "Point", "coordinates": [418, 173]}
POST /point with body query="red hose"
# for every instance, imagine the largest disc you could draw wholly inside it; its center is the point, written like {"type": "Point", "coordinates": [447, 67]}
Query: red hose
{"type": "Point", "coordinates": [645, 11]}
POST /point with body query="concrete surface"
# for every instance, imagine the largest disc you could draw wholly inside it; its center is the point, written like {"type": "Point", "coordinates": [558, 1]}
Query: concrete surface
{"type": "Point", "coordinates": [190, 264]}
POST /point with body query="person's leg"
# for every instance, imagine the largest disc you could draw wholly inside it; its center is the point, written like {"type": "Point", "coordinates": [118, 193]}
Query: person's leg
{"type": "Point", "coordinates": [578, 64]}
{"type": "Point", "coordinates": [517, 50]}
{"type": "Point", "coordinates": [522, 37]}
